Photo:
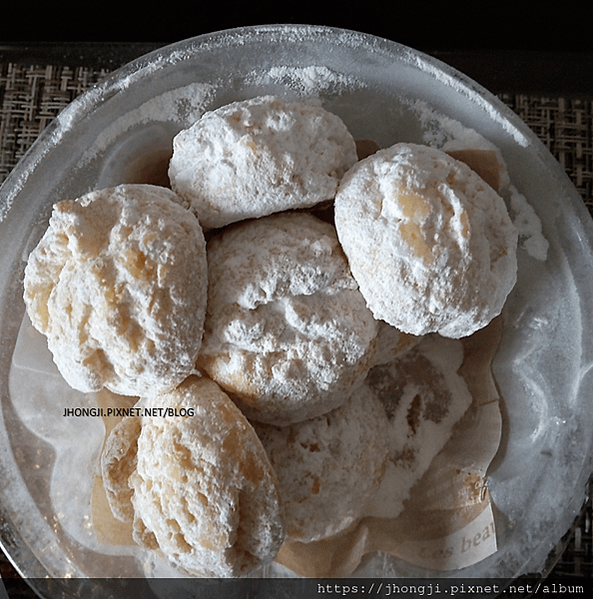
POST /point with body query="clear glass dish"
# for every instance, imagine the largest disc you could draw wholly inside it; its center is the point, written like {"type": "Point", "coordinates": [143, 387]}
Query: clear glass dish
{"type": "Point", "coordinates": [385, 92]}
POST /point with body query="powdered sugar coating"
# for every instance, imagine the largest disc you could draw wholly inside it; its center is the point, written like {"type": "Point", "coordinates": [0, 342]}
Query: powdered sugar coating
{"type": "Point", "coordinates": [259, 156]}
{"type": "Point", "coordinates": [204, 492]}
{"type": "Point", "coordinates": [118, 462]}
{"type": "Point", "coordinates": [287, 332]}
{"type": "Point", "coordinates": [329, 467]}
{"type": "Point", "coordinates": [118, 286]}
{"type": "Point", "coordinates": [429, 242]}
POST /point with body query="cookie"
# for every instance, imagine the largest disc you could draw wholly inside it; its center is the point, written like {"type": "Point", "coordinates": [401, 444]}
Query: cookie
{"type": "Point", "coordinates": [203, 491]}
{"type": "Point", "coordinates": [259, 156]}
{"type": "Point", "coordinates": [118, 286]}
{"type": "Point", "coordinates": [118, 462]}
{"type": "Point", "coordinates": [287, 331]}
{"type": "Point", "coordinates": [329, 467]}
{"type": "Point", "coordinates": [429, 242]}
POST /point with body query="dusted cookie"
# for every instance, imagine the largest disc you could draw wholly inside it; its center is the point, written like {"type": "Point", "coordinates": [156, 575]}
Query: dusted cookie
{"type": "Point", "coordinates": [256, 157]}
{"type": "Point", "coordinates": [329, 467]}
{"type": "Point", "coordinates": [118, 462]}
{"type": "Point", "coordinates": [429, 242]}
{"type": "Point", "coordinates": [118, 286]}
{"type": "Point", "coordinates": [204, 493]}
{"type": "Point", "coordinates": [287, 332]}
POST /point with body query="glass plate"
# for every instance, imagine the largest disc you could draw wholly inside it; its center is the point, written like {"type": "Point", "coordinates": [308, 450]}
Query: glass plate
{"type": "Point", "coordinates": [385, 92]}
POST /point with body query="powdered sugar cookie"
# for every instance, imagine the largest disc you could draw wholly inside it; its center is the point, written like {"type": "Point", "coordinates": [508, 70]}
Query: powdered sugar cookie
{"type": "Point", "coordinates": [259, 156]}
{"type": "Point", "coordinates": [329, 467]}
{"type": "Point", "coordinates": [429, 242]}
{"type": "Point", "coordinates": [204, 492]}
{"type": "Point", "coordinates": [118, 462]}
{"type": "Point", "coordinates": [287, 332]}
{"type": "Point", "coordinates": [118, 286]}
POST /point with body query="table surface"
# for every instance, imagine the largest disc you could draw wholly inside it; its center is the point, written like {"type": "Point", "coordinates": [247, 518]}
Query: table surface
{"type": "Point", "coordinates": [38, 80]}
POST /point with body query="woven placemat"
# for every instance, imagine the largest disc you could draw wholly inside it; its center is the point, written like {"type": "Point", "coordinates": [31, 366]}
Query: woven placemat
{"type": "Point", "coordinates": [565, 126]}
{"type": "Point", "coordinates": [31, 96]}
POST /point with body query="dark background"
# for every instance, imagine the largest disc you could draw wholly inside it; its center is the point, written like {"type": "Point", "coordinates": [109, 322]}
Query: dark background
{"type": "Point", "coordinates": [420, 24]}
{"type": "Point", "coordinates": [531, 49]}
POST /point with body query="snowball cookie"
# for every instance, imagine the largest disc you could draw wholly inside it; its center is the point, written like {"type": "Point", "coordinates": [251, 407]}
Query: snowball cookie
{"type": "Point", "coordinates": [429, 242]}
{"type": "Point", "coordinates": [287, 332]}
{"type": "Point", "coordinates": [328, 467]}
{"type": "Point", "coordinates": [259, 156]}
{"type": "Point", "coordinates": [118, 462]}
{"type": "Point", "coordinates": [118, 286]}
{"type": "Point", "coordinates": [205, 494]}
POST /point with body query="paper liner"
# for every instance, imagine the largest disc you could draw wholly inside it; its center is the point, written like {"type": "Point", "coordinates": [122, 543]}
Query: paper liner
{"type": "Point", "coordinates": [447, 522]}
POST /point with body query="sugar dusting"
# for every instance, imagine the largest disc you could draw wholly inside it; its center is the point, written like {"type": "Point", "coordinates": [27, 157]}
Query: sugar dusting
{"type": "Point", "coordinates": [448, 134]}
{"type": "Point", "coordinates": [310, 81]}
{"type": "Point", "coordinates": [182, 106]}
{"type": "Point", "coordinates": [443, 75]}
{"type": "Point", "coordinates": [529, 226]}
